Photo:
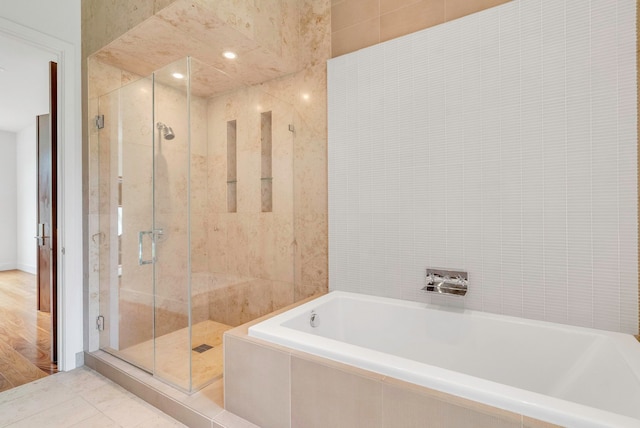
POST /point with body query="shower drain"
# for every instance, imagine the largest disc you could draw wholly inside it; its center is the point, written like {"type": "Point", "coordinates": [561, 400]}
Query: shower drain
{"type": "Point", "coordinates": [201, 348]}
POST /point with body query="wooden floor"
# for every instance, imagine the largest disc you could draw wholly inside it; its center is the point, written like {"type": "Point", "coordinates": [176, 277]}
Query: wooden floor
{"type": "Point", "coordinates": [25, 341]}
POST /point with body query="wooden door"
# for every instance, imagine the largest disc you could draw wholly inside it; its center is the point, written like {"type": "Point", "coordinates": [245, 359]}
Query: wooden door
{"type": "Point", "coordinates": [47, 208]}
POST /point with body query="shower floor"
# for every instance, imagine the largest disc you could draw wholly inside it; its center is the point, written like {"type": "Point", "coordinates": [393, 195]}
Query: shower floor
{"type": "Point", "coordinates": [173, 351]}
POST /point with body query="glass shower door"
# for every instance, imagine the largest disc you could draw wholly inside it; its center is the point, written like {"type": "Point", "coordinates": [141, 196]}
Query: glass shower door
{"type": "Point", "coordinates": [144, 164]}
{"type": "Point", "coordinates": [126, 219]}
{"type": "Point", "coordinates": [171, 215]}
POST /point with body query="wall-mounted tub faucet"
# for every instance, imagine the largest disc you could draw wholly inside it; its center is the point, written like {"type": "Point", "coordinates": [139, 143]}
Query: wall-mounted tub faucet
{"type": "Point", "coordinates": [446, 282]}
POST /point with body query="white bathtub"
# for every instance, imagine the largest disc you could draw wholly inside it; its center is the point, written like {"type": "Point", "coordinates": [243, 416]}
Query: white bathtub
{"type": "Point", "coordinates": [566, 375]}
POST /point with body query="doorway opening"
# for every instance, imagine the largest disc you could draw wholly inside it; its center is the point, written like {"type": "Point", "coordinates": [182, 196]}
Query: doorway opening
{"type": "Point", "coordinates": [28, 217]}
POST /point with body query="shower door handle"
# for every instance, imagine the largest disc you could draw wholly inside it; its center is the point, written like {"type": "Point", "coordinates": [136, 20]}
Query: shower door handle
{"type": "Point", "coordinates": [141, 260]}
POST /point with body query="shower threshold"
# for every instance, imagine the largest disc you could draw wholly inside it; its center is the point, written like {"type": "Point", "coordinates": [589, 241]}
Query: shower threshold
{"type": "Point", "coordinates": [203, 408]}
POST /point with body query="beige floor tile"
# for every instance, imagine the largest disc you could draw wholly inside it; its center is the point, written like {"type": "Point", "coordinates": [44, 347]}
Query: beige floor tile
{"type": "Point", "coordinates": [160, 422]}
{"type": "Point", "coordinates": [128, 411]}
{"type": "Point", "coordinates": [97, 421]}
{"type": "Point", "coordinates": [26, 389]}
{"type": "Point", "coordinates": [80, 380]}
{"type": "Point", "coordinates": [48, 396]}
{"type": "Point", "coordinates": [102, 396]}
{"type": "Point", "coordinates": [65, 414]}
{"type": "Point", "coordinates": [79, 398]}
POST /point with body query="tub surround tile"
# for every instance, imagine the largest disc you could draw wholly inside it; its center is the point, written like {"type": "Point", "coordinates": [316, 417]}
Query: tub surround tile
{"type": "Point", "coordinates": [322, 396]}
{"type": "Point", "coordinates": [528, 422]}
{"type": "Point", "coordinates": [440, 399]}
{"type": "Point", "coordinates": [406, 408]}
{"type": "Point", "coordinates": [329, 393]}
{"type": "Point", "coordinates": [257, 383]}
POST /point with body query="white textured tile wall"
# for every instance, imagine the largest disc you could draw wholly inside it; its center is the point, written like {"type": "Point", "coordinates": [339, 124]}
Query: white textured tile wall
{"type": "Point", "coordinates": [503, 143]}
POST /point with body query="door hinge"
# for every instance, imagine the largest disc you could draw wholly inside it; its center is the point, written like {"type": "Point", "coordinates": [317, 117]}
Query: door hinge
{"type": "Point", "coordinates": [100, 121]}
{"type": "Point", "coordinates": [100, 323]}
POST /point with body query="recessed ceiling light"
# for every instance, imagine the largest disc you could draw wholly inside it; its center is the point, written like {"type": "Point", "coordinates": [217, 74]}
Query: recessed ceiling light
{"type": "Point", "coordinates": [229, 55]}
{"type": "Point", "coordinates": [178, 75]}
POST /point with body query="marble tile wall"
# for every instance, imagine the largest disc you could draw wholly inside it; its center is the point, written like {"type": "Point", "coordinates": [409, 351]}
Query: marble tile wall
{"type": "Point", "coordinates": [250, 252]}
{"type": "Point", "coordinates": [287, 249]}
{"type": "Point", "coordinates": [242, 265]}
{"type": "Point", "coordinates": [356, 24]}
{"type": "Point", "coordinates": [105, 21]}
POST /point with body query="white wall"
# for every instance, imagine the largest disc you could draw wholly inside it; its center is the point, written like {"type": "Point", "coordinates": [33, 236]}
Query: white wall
{"type": "Point", "coordinates": [7, 200]}
{"type": "Point", "coordinates": [26, 202]}
{"type": "Point", "coordinates": [60, 18]}
{"type": "Point", "coordinates": [504, 144]}
{"type": "Point", "coordinates": [55, 26]}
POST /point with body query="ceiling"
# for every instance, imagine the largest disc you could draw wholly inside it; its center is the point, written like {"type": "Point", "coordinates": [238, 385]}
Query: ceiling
{"type": "Point", "coordinates": [186, 28]}
{"type": "Point", "coordinates": [24, 83]}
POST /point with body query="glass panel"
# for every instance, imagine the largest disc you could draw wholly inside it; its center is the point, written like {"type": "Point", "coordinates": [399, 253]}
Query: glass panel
{"type": "Point", "coordinates": [242, 258]}
{"type": "Point", "coordinates": [165, 169]}
{"type": "Point", "coordinates": [171, 222]}
{"type": "Point", "coordinates": [126, 285]}
{"type": "Point", "coordinates": [209, 176]}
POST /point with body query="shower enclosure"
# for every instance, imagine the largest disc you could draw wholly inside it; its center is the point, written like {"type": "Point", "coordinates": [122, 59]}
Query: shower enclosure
{"type": "Point", "coordinates": [196, 216]}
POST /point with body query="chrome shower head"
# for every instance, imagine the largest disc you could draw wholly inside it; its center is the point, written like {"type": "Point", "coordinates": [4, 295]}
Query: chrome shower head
{"type": "Point", "coordinates": [167, 132]}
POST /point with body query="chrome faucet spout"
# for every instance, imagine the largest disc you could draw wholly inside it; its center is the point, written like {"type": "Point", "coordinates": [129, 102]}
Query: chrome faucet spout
{"type": "Point", "coordinates": [446, 282]}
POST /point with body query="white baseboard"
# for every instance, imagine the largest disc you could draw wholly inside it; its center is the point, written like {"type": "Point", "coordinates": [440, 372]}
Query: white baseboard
{"type": "Point", "coordinates": [8, 266]}
{"type": "Point", "coordinates": [26, 268]}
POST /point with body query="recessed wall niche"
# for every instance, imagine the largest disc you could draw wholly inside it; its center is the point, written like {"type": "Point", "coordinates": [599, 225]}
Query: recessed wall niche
{"type": "Point", "coordinates": [232, 177]}
{"type": "Point", "coordinates": [266, 178]}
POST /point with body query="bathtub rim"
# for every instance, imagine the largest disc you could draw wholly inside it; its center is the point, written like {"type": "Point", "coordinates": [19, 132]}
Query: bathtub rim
{"type": "Point", "coordinates": [505, 397]}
